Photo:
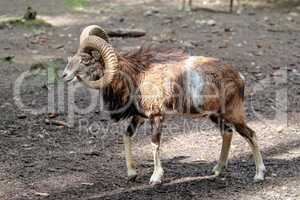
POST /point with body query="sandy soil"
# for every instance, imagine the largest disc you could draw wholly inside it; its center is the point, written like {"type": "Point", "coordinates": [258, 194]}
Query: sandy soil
{"type": "Point", "coordinates": [41, 161]}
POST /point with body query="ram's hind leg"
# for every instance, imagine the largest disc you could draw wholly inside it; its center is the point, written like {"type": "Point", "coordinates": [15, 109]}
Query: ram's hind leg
{"type": "Point", "coordinates": [250, 137]}
{"type": "Point", "coordinates": [231, 6]}
{"type": "Point", "coordinates": [185, 5]}
{"type": "Point", "coordinates": [182, 5]}
{"type": "Point", "coordinates": [226, 133]}
{"type": "Point", "coordinates": [189, 6]}
{"type": "Point", "coordinates": [131, 169]}
{"type": "Point", "coordinates": [237, 118]}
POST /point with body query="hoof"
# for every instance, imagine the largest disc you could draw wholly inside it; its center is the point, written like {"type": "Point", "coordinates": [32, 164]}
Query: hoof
{"type": "Point", "coordinates": [260, 176]}
{"type": "Point", "coordinates": [132, 174]}
{"type": "Point", "coordinates": [156, 178]}
{"type": "Point", "coordinates": [217, 170]}
{"type": "Point", "coordinates": [216, 173]}
{"type": "Point", "coordinates": [155, 182]}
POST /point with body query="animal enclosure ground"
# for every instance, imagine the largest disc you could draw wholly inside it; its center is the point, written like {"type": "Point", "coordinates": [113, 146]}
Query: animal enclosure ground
{"type": "Point", "coordinates": [39, 160]}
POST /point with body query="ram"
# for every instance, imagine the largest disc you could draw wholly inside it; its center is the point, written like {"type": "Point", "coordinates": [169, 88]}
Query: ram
{"type": "Point", "coordinates": [152, 83]}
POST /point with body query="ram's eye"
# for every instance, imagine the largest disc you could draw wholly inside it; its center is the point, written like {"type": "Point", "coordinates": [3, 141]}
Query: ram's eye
{"type": "Point", "coordinates": [85, 61]}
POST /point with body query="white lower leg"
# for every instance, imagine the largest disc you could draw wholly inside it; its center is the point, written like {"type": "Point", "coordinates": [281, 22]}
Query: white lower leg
{"type": "Point", "coordinates": [131, 171]}
{"type": "Point", "coordinates": [158, 170]}
{"type": "Point", "coordinates": [260, 167]}
{"type": "Point", "coordinates": [182, 5]}
{"type": "Point", "coordinates": [227, 137]}
{"type": "Point", "coordinates": [189, 8]}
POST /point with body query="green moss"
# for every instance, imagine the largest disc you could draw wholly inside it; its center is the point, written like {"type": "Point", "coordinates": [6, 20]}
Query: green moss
{"type": "Point", "coordinates": [15, 21]}
{"type": "Point", "coordinates": [5, 19]}
{"type": "Point", "coordinates": [36, 23]}
{"type": "Point", "coordinates": [286, 3]}
{"type": "Point", "coordinates": [7, 59]}
{"type": "Point", "coordinates": [75, 3]}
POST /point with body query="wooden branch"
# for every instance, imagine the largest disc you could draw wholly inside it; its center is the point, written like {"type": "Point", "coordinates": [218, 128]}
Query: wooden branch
{"type": "Point", "coordinates": [126, 33]}
{"type": "Point", "coordinates": [57, 123]}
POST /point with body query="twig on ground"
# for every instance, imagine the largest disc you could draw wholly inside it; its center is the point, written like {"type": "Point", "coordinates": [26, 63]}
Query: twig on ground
{"type": "Point", "coordinates": [57, 122]}
{"type": "Point", "coordinates": [126, 33]}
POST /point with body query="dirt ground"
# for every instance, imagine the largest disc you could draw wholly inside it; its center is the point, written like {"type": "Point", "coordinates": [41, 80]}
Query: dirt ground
{"type": "Point", "coordinates": [42, 161]}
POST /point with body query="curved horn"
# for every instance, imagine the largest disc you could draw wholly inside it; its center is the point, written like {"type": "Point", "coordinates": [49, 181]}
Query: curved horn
{"type": "Point", "coordinates": [93, 30]}
{"type": "Point", "coordinates": [109, 58]}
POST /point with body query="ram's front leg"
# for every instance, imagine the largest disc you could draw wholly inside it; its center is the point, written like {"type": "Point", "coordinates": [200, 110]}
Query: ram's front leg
{"type": "Point", "coordinates": [189, 6]}
{"type": "Point", "coordinates": [185, 6]}
{"type": "Point", "coordinates": [130, 163]}
{"type": "Point", "coordinates": [156, 126]}
{"type": "Point", "coordinates": [182, 5]}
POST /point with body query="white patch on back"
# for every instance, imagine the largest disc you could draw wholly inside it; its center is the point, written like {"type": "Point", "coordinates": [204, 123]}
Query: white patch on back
{"type": "Point", "coordinates": [194, 82]}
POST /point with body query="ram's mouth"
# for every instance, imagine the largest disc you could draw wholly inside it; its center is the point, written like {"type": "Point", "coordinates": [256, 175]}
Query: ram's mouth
{"type": "Point", "coordinates": [71, 80]}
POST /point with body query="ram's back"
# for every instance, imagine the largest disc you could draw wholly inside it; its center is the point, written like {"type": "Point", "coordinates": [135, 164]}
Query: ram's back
{"type": "Point", "coordinates": [193, 85]}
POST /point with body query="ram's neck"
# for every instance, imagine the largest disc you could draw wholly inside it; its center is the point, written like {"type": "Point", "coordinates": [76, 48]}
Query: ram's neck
{"type": "Point", "coordinates": [119, 95]}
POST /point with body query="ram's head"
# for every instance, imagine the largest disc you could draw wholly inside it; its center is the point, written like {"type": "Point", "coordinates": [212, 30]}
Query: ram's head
{"type": "Point", "coordinates": [80, 64]}
{"type": "Point", "coordinates": [95, 62]}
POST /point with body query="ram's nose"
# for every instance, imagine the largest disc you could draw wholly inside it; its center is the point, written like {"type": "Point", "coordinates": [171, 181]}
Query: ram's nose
{"type": "Point", "coordinates": [64, 76]}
